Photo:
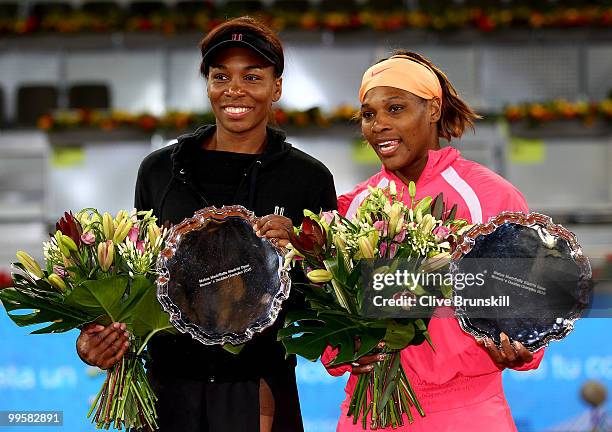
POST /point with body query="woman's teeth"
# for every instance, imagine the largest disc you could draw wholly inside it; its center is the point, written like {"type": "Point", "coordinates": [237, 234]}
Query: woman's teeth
{"type": "Point", "coordinates": [388, 146]}
{"type": "Point", "coordinates": [236, 110]}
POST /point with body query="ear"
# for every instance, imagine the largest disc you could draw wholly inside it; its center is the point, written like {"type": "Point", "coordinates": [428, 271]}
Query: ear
{"type": "Point", "coordinates": [278, 89]}
{"type": "Point", "coordinates": [435, 109]}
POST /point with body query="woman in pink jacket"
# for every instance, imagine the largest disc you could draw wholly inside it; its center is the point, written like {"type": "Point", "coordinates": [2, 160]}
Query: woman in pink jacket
{"type": "Point", "coordinates": [407, 105]}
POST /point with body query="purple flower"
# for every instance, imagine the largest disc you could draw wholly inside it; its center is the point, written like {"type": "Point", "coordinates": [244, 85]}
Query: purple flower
{"type": "Point", "coordinates": [88, 238]}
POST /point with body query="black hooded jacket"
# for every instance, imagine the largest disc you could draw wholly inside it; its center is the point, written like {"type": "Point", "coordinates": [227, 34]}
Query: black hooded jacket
{"type": "Point", "coordinates": [280, 176]}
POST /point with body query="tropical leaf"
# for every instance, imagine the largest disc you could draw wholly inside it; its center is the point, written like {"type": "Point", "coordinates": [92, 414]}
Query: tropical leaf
{"type": "Point", "coordinates": [144, 315]}
{"type": "Point", "coordinates": [309, 333]}
{"type": "Point", "coordinates": [100, 297]}
{"type": "Point", "coordinates": [44, 310]}
{"type": "Point", "coordinates": [398, 335]}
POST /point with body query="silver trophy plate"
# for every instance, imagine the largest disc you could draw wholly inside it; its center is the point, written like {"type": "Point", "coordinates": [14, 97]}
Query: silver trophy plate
{"type": "Point", "coordinates": [218, 280]}
{"type": "Point", "coordinates": [536, 282]}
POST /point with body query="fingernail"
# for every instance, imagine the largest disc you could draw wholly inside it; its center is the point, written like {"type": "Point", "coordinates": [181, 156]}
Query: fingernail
{"type": "Point", "coordinates": [123, 326]}
{"type": "Point", "coordinates": [126, 334]}
{"type": "Point", "coordinates": [116, 325]}
{"type": "Point", "coordinates": [517, 345]}
{"type": "Point", "coordinates": [503, 336]}
{"type": "Point", "coordinates": [487, 342]}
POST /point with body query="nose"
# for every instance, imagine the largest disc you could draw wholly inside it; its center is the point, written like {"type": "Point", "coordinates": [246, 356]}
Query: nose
{"type": "Point", "coordinates": [380, 124]}
{"type": "Point", "coordinates": [234, 88]}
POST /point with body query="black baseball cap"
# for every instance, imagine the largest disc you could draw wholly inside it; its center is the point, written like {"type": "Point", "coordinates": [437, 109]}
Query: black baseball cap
{"type": "Point", "coordinates": [247, 39]}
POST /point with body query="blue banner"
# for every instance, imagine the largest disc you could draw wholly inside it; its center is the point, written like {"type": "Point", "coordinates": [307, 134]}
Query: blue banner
{"type": "Point", "coordinates": [43, 373]}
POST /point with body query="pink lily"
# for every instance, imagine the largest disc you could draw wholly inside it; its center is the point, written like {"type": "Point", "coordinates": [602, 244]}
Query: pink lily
{"type": "Point", "coordinates": [133, 234]}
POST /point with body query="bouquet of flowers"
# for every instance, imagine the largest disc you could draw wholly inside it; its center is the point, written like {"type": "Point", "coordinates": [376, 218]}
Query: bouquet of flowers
{"type": "Point", "coordinates": [98, 269]}
{"type": "Point", "coordinates": [335, 253]}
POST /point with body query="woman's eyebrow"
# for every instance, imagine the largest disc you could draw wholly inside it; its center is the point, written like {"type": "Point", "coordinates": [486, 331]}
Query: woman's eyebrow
{"type": "Point", "coordinates": [250, 67]}
{"type": "Point", "coordinates": [391, 98]}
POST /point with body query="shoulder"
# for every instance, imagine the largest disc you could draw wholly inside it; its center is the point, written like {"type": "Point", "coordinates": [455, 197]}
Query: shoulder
{"type": "Point", "coordinates": [157, 160]}
{"type": "Point", "coordinates": [495, 193]}
{"type": "Point", "coordinates": [297, 159]}
{"type": "Point", "coordinates": [358, 193]}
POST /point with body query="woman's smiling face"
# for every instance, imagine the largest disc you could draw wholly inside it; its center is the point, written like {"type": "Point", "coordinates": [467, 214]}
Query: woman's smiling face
{"type": "Point", "coordinates": [401, 128]}
{"type": "Point", "coordinates": [241, 88]}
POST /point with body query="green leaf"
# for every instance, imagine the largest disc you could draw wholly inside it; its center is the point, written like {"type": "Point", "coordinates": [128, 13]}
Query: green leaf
{"type": "Point", "coordinates": [44, 310]}
{"type": "Point", "coordinates": [420, 324]}
{"type": "Point", "coordinates": [447, 290]}
{"type": "Point", "coordinates": [429, 341]}
{"type": "Point", "coordinates": [437, 207]}
{"type": "Point", "coordinates": [391, 380]}
{"type": "Point", "coordinates": [141, 310]}
{"type": "Point", "coordinates": [353, 278]}
{"type": "Point", "coordinates": [347, 222]}
{"type": "Point", "coordinates": [100, 297]}
{"type": "Point", "coordinates": [56, 327]}
{"type": "Point", "coordinates": [309, 333]}
{"type": "Point", "coordinates": [341, 271]}
{"type": "Point", "coordinates": [398, 335]}
{"type": "Point", "coordinates": [452, 213]}
{"type": "Point", "coordinates": [419, 291]}
{"type": "Point", "coordinates": [234, 349]}
{"type": "Point", "coordinates": [369, 340]}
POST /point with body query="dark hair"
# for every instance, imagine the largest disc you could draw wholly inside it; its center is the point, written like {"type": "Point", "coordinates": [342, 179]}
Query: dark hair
{"type": "Point", "coordinates": [456, 114]}
{"type": "Point", "coordinates": [243, 24]}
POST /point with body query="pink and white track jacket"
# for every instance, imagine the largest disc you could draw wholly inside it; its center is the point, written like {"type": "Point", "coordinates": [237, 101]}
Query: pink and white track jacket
{"type": "Point", "coordinates": [458, 385]}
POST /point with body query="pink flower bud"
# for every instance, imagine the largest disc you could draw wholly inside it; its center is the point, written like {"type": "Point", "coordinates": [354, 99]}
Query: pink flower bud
{"type": "Point", "coordinates": [106, 253]}
{"type": "Point", "coordinates": [381, 226]}
{"type": "Point", "coordinates": [140, 246]}
{"type": "Point", "coordinates": [88, 238]}
{"type": "Point", "coordinates": [400, 236]}
{"type": "Point", "coordinates": [133, 234]}
{"type": "Point", "coordinates": [328, 217]}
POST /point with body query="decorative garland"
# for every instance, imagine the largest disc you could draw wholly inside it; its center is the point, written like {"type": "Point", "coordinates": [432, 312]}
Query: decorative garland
{"type": "Point", "coordinates": [487, 18]}
{"type": "Point", "coordinates": [535, 113]}
{"type": "Point", "coordinates": [560, 109]}
{"type": "Point", "coordinates": [178, 120]}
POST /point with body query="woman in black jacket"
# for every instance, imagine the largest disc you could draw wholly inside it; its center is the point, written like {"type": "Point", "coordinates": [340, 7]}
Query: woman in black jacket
{"type": "Point", "coordinates": [238, 160]}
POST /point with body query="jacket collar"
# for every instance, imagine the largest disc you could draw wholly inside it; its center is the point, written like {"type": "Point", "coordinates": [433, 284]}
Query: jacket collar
{"type": "Point", "coordinates": [437, 161]}
{"type": "Point", "coordinates": [188, 145]}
